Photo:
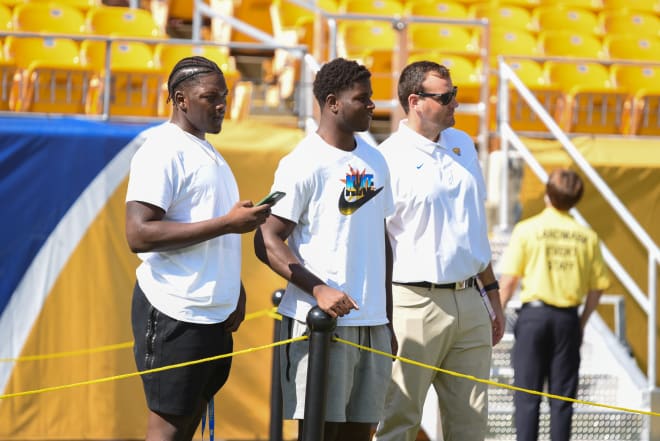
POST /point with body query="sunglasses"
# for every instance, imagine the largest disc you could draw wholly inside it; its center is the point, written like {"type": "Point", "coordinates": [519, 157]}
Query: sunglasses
{"type": "Point", "coordinates": [444, 98]}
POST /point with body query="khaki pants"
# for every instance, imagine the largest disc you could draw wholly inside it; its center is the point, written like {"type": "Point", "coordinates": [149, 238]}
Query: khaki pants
{"type": "Point", "coordinates": [451, 330]}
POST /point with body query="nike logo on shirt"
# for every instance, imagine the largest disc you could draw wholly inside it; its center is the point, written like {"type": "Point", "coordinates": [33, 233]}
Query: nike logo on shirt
{"type": "Point", "coordinates": [346, 207]}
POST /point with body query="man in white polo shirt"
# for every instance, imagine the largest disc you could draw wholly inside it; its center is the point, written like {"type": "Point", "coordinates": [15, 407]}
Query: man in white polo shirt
{"type": "Point", "coordinates": [440, 244]}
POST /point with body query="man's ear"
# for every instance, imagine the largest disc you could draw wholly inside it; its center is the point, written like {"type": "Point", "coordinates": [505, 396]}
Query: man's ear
{"type": "Point", "coordinates": [331, 102]}
{"type": "Point", "coordinates": [180, 101]}
{"type": "Point", "coordinates": [413, 99]}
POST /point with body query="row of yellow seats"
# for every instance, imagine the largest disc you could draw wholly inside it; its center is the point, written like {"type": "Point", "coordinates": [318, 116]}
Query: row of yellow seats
{"type": "Point", "coordinates": [592, 97]}
{"type": "Point", "coordinates": [582, 97]}
{"type": "Point", "coordinates": [55, 17]}
{"type": "Point", "coordinates": [83, 5]}
{"type": "Point", "coordinates": [574, 44]}
{"type": "Point", "coordinates": [569, 16]}
{"type": "Point", "coordinates": [633, 17]}
{"type": "Point", "coordinates": [356, 38]}
{"type": "Point", "coordinates": [57, 75]}
{"type": "Point", "coordinates": [495, 10]}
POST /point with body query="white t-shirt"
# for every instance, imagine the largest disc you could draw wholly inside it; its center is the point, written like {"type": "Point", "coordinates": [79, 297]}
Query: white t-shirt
{"type": "Point", "coordinates": [438, 231]}
{"type": "Point", "coordinates": [339, 201]}
{"type": "Point", "coordinates": [191, 181]}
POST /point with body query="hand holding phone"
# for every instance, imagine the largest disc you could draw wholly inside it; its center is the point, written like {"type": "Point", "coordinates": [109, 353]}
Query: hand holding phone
{"type": "Point", "coordinates": [272, 198]}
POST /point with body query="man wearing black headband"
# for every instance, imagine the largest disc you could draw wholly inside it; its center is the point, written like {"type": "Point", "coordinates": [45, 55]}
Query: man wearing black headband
{"type": "Point", "coordinates": [184, 220]}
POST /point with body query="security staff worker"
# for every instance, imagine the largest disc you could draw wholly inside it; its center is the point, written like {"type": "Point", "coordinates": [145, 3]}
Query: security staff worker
{"type": "Point", "coordinates": [559, 262]}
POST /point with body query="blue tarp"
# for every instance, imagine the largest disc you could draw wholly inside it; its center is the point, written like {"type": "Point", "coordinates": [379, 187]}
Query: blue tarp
{"type": "Point", "coordinates": [45, 164]}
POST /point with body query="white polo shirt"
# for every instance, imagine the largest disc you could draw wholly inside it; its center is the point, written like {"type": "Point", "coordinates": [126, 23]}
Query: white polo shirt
{"type": "Point", "coordinates": [438, 230]}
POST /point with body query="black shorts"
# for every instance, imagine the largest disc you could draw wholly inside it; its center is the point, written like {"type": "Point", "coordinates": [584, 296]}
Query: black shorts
{"type": "Point", "coordinates": [161, 341]}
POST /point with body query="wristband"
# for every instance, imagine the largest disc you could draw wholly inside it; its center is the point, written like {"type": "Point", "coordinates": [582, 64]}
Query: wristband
{"type": "Point", "coordinates": [491, 286]}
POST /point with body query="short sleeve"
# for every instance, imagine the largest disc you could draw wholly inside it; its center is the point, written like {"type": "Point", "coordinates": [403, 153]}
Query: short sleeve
{"type": "Point", "coordinates": [289, 180]}
{"type": "Point", "coordinates": [152, 176]}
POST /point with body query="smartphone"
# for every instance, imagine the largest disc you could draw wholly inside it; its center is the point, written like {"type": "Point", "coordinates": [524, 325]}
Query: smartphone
{"type": "Point", "coordinates": [272, 198]}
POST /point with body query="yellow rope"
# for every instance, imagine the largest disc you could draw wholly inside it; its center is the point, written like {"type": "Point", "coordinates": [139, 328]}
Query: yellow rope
{"type": "Point", "coordinates": [150, 371]}
{"type": "Point", "coordinates": [270, 312]}
{"type": "Point", "coordinates": [492, 383]}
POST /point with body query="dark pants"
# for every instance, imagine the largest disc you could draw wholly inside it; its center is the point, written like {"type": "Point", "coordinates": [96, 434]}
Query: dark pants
{"type": "Point", "coordinates": [547, 347]}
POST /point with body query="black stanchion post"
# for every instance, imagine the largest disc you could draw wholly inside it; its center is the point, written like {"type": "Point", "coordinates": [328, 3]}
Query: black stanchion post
{"type": "Point", "coordinates": [321, 326]}
{"type": "Point", "coordinates": [275, 381]}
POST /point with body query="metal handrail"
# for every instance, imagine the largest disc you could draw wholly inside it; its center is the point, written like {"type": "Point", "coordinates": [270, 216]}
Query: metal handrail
{"type": "Point", "coordinates": [648, 301]}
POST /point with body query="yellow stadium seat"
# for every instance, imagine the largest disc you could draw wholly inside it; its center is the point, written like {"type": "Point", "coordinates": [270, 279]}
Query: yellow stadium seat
{"type": "Point", "coordinates": [517, 42]}
{"type": "Point", "coordinates": [50, 76]}
{"type": "Point", "coordinates": [643, 85]}
{"type": "Point", "coordinates": [632, 47]}
{"type": "Point", "coordinates": [82, 5]}
{"type": "Point", "coordinates": [521, 117]}
{"type": "Point", "coordinates": [122, 21]}
{"type": "Point", "coordinates": [446, 38]}
{"type": "Point", "coordinates": [388, 8]}
{"type": "Point", "coordinates": [181, 9]}
{"type": "Point", "coordinates": [167, 55]}
{"type": "Point", "coordinates": [501, 15]}
{"type": "Point", "coordinates": [435, 9]}
{"type": "Point", "coordinates": [625, 21]}
{"type": "Point", "coordinates": [356, 38]}
{"type": "Point", "coordinates": [549, 18]}
{"type": "Point", "coordinates": [650, 6]}
{"type": "Point", "coordinates": [371, 43]}
{"type": "Point", "coordinates": [383, 83]}
{"type": "Point", "coordinates": [254, 12]}
{"type": "Point", "coordinates": [571, 44]}
{"type": "Point", "coordinates": [592, 5]}
{"type": "Point", "coordinates": [287, 15]}
{"type": "Point", "coordinates": [591, 102]}
{"type": "Point", "coordinates": [49, 17]}
{"type": "Point", "coordinates": [135, 80]}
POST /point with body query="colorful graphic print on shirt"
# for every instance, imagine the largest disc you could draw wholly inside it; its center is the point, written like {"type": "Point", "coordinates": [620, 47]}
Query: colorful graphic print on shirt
{"type": "Point", "coordinates": [358, 190]}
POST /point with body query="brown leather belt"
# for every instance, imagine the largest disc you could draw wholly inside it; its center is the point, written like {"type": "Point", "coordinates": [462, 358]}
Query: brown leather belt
{"type": "Point", "coordinates": [463, 284]}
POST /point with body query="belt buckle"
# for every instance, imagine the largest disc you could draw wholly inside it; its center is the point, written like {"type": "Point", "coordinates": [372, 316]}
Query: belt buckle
{"type": "Point", "coordinates": [462, 284]}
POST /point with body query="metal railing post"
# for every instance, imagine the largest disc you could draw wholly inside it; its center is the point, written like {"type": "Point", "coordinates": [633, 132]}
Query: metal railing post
{"type": "Point", "coordinates": [275, 430]}
{"type": "Point", "coordinates": [321, 326]}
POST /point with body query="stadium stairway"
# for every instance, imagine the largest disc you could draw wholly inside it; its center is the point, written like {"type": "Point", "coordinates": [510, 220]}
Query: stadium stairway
{"type": "Point", "coordinates": [608, 375]}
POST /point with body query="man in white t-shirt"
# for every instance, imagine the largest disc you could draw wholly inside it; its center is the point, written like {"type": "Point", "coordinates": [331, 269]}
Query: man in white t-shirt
{"type": "Point", "coordinates": [338, 257]}
{"type": "Point", "coordinates": [183, 219]}
{"type": "Point", "coordinates": [440, 246]}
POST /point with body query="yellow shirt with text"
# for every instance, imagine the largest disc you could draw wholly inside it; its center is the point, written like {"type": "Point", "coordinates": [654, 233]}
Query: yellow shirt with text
{"type": "Point", "coordinates": [558, 259]}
